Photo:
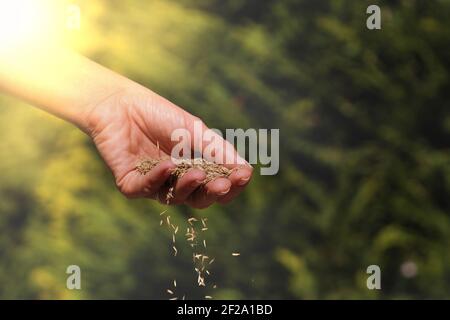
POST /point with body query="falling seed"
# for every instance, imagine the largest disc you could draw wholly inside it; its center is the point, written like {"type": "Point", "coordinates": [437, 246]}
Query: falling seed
{"type": "Point", "coordinates": [191, 220]}
{"type": "Point", "coordinates": [184, 297]}
{"type": "Point", "coordinates": [235, 254]}
{"type": "Point", "coordinates": [215, 286]}
{"type": "Point", "coordinates": [160, 223]}
{"type": "Point", "coordinates": [200, 261]}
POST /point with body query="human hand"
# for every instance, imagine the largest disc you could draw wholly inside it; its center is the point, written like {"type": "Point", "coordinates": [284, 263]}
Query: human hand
{"type": "Point", "coordinates": [136, 123]}
{"type": "Point", "coordinates": [125, 120]}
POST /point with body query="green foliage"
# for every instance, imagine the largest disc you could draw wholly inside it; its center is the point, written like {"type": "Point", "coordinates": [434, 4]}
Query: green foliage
{"type": "Point", "coordinates": [365, 163]}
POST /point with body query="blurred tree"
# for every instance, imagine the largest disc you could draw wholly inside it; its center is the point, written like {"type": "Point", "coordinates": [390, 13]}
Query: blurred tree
{"type": "Point", "coordinates": [365, 163]}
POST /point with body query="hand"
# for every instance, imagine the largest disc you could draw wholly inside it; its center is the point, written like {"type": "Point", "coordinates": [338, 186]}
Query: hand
{"type": "Point", "coordinates": [126, 126]}
{"type": "Point", "coordinates": [131, 125]}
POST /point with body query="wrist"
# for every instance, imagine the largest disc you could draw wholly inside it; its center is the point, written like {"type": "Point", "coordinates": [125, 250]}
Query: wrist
{"type": "Point", "coordinates": [94, 91]}
{"type": "Point", "coordinates": [90, 117]}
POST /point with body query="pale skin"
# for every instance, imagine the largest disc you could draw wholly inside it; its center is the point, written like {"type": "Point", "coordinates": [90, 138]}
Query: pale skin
{"type": "Point", "coordinates": [126, 121]}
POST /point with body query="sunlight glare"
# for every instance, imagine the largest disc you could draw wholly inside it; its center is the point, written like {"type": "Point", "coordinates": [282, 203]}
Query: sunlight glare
{"type": "Point", "coordinates": [27, 21]}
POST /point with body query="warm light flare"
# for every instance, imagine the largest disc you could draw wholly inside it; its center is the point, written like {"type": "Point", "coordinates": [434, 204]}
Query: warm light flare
{"type": "Point", "coordinates": [28, 21]}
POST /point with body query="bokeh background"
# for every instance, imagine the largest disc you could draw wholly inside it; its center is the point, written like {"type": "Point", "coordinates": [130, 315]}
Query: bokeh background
{"type": "Point", "coordinates": [365, 163]}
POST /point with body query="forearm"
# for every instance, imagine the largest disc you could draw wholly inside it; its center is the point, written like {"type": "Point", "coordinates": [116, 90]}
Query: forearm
{"type": "Point", "coordinates": [61, 82]}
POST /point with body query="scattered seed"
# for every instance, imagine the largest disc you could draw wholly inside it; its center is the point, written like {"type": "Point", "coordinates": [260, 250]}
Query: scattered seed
{"type": "Point", "coordinates": [235, 254]}
{"type": "Point", "coordinates": [173, 298]}
{"type": "Point", "coordinates": [192, 235]}
{"type": "Point", "coordinates": [197, 256]}
{"type": "Point", "coordinates": [212, 170]}
{"type": "Point", "coordinates": [191, 220]}
{"type": "Point", "coordinates": [169, 195]}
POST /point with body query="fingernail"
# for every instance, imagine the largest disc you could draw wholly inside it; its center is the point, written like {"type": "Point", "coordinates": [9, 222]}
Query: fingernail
{"type": "Point", "coordinates": [196, 183]}
{"type": "Point", "coordinates": [224, 192]}
{"type": "Point", "coordinates": [243, 181]}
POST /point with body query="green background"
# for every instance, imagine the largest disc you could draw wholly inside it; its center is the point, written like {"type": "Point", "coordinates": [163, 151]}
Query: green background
{"type": "Point", "coordinates": [364, 155]}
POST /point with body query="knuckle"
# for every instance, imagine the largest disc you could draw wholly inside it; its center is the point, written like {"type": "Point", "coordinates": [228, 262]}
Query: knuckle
{"type": "Point", "coordinates": [125, 190]}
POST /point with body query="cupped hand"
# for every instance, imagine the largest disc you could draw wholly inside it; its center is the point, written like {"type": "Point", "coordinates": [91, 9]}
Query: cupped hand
{"type": "Point", "coordinates": [137, 124]}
